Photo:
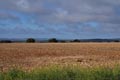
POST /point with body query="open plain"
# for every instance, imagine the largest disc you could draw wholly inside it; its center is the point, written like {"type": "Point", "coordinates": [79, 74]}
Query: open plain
{"type": "Point", "coordinates": [33, 55]}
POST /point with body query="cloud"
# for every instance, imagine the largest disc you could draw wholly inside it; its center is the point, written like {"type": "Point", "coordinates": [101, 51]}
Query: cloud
{"type": "Point", "coordinates": [62, 17]}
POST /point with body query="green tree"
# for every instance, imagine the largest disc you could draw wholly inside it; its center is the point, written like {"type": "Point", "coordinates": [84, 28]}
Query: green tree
{"type": "Point", "coordinates": [76, 40]}
{"type": "Point", "coordinates": [30, 40]}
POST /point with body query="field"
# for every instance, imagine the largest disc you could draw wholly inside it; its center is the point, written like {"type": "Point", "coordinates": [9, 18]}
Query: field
{"type": "Point", "coordinates": [33, 55]}
{"type": "Point", "coordinates": [60, 61]}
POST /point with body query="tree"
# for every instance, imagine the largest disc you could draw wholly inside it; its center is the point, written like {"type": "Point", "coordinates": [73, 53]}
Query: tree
{"type": "Point", "coordinates": [53, 40]}
{"type": "Point", "coordinates": [63, 41]}
{"type": "Point", "coordinates": [116, 41]}
{"type": "Point", "coordinates": [76, 40]}
{"type": "Point", "coordinates": [5, 41]}
{"type": "Point", "coordinates": [30, 40]}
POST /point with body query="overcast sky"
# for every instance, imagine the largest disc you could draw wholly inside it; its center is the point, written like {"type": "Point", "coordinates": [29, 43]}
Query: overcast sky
{"type": "Point", "coordinates": [60, 18]}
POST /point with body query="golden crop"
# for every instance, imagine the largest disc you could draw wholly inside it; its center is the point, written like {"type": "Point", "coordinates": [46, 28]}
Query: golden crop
{"type": "Point", "coordinates": [30, 55]}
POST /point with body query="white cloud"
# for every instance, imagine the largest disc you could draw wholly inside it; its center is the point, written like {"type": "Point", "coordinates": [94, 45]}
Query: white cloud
{"type": "Point", "coordinates": [23, 4]}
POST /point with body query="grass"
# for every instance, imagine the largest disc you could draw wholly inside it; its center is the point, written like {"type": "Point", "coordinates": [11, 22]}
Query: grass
{"type": "Point", "coordinates": [63, 73]}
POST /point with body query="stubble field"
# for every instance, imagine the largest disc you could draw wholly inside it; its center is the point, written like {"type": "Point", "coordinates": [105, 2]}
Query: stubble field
{"type": "Point", "coordinates": [33, 55]}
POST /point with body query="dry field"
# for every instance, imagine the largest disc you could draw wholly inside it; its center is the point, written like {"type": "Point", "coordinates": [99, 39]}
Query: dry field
{"type": "Point", "coordinates": [31, 55]}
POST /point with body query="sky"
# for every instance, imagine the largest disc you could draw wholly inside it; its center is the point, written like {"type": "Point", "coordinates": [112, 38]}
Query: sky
{"type": "Point", "coordinates": [64, 19]}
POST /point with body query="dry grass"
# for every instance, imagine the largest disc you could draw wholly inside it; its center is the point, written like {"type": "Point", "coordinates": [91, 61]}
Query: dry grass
{"type": "Point", "coordinates": [31, 55]}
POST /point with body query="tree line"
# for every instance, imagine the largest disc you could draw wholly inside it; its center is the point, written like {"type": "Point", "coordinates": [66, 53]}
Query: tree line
{"type": "Point", "coordinates": [54, 40]}
{"type": "Point", "coordinates": [30, 40]}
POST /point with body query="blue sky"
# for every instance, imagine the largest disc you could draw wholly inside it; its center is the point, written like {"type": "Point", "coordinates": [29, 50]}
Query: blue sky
{"type": "Point", "coordinates": [60, 19]}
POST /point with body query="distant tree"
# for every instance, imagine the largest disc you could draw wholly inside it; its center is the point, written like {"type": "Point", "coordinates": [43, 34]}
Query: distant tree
{"type": "Point", "coordinates": [53, 40]}
{"type": "Point", "coordinates": [63, 41]}
{"type": "Point", "coordinates": [116, 41]}
{"type": "Point", "coordinates": [5, 41]}
{"type": "Point", "coordinates": [30, 40]}
{"type": "Point", "coordinates": [76, 40]}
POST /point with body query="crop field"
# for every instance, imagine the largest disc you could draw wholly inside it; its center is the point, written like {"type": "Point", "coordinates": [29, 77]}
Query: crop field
{"type": "Point", "coordinates": [60, 61]}
{"type": "Point", "coordinates": [33, 55]}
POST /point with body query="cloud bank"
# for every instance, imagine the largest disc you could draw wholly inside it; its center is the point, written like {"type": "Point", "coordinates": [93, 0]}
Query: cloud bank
{"type": "Point", "coordinates": [60, 18]}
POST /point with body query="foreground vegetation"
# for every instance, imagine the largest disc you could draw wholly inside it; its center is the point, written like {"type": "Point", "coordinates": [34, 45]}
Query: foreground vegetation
{"type": "Point", "coordinates": [63, 73]}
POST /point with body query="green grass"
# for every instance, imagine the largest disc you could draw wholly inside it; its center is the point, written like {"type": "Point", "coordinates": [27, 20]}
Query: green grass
{"type": "Point", "coordinates": [63, 73]}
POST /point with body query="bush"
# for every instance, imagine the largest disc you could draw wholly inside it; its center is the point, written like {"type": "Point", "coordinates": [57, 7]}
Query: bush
{"type": "Point", "coordinates": [53, 40]}
{"type": "Point", "coordinates": [30, 40]}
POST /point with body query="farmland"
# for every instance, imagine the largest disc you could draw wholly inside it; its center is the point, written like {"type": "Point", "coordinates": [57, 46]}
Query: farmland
{"type": "Point", "coordinates": [33, 55]}
{"type": "Point", "coordinates": [60, 61]}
